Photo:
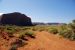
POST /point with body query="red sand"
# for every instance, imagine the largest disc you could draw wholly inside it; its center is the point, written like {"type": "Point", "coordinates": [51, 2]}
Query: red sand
{"type": "Point", "coordinates": [44, 41]}
{"type": "Point", "coordinates": [47, 41]}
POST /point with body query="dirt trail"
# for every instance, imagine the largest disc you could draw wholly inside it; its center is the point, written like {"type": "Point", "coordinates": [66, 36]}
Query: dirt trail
{"type": "Point", "coordinates": [47, 41]}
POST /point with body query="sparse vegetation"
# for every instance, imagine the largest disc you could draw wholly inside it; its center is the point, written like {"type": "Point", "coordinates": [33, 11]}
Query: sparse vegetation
{"type": "Point", "coordinates": [16, 44]}
{"type": "Point", "coordinates": [24, 33]}
{"type": "Point", "coordinates": [53, 30]}
{"type": "Point", "coordinates": [30, 33]}
{"type": "Point", "coordinates": [66, 30]}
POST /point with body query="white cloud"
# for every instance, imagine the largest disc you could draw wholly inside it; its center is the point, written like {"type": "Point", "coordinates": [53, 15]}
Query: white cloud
{"type": "Point", "coordinates": [1, 13]}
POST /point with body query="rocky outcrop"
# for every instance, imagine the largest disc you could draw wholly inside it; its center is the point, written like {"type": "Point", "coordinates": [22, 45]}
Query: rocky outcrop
{"type": "Point", "coordinates": [16, 18]}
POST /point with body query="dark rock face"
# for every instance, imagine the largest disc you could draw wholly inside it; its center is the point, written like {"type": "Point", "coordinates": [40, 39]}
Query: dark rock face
{"type": "Point", "coordinates": [16, 19]}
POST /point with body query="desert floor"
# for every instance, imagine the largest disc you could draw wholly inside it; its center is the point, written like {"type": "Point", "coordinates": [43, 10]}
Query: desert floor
{"type": "Point", "coordinates": [47, 41]}
{"type": "Point", "coordinates": [43, 41]}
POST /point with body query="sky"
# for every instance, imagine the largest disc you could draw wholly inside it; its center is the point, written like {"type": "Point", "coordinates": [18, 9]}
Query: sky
{"type": "Point", "coordinates": [61, 11]}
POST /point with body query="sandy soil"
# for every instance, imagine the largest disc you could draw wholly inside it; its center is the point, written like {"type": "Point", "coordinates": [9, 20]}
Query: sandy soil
{"type": "Point", "coordinates": [43, 41]}
{"type": "Point", "coordinates": [47, 41]}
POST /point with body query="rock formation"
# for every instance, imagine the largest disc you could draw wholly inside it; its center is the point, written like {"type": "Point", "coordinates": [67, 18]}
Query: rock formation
{"type": "Point", "coordinates": [16, 18]}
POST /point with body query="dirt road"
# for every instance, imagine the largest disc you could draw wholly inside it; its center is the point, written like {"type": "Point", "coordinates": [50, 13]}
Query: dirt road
{"type": "Point", "coordinates": [47, 41]}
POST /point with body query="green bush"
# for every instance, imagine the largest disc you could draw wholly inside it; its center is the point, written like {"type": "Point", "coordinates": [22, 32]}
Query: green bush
{"type": "Point", "coordinates": [67, 34]}
{"type": "Point", "coordinates": [72, 25]}
{"type": "Point", "coordinates": [24, 34]}
{"type": "Point", "coordinates": [30, 33]}
{"type": "Point", "coordinates": [26, 28]}
{"type": "Point", "coordinates": [10, 31]}
{"type": "Point", "coordinates": [21, 33]}
{"type": "Point", "coordinates": [72, 36]}
{"type": "Point", "coordinates": [35, 28]}
{"type": "Point", "coordinates": [53, 30]}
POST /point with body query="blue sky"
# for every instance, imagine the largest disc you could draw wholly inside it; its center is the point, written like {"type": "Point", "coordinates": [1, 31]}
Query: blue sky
{"type": "Point", "coordinates": [41, 10]}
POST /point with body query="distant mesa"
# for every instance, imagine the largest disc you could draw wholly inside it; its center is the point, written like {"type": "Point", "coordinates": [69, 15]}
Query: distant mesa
{"type": "Point", "coordinates": [41, 23]}
{"type": "Point", "coordinates": [15, 18]}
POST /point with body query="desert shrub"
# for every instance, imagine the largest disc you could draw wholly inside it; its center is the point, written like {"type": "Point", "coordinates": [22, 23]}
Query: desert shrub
{"type": "Point", "coordinates": [26, 28]}
{"type": "Point", "coordinates": [41, 29]}
{"type": "Point", "coordinates": [14, 47]}
{"type": "Point", "coordinates": [22, 35]}
{"type": "Point", "coordinates": [34, 28]}
{"type": "Point", "coordinates": [72, 36]}
{"type": "Point", "coordinates": [72, 26]}
{"type": "Point", "coordinates": [67, 33]}
{"type": "Point", "coordinates": [17, 29]}
{"type": "Point", "coordinates": [10, 31]}
{"type": "Point", "coordinates": [1, 29]}
{"type": "Point", "coordinates": [72, 30]}
{"type": "Point", "coordinates": [63, 27]}
{"type": "Point", "coordinates": [16, 44]}
{"type": "Point", "coordinates": [19, 43]}
{"type": "Point", "coordinates": [53, 30]}
{"type": "Point", "coordinates": [30, 34]}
